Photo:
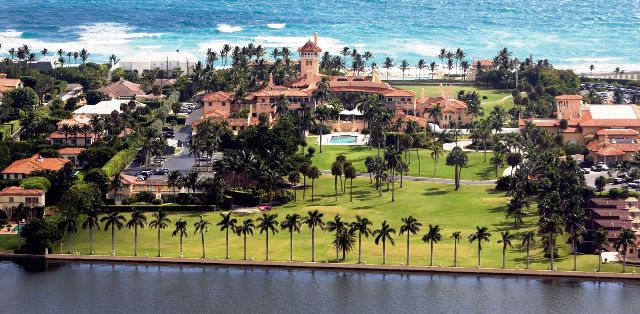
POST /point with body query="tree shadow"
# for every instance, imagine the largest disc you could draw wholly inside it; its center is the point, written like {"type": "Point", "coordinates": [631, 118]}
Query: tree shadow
{"type": "Point", "coordinates": [434, 192]}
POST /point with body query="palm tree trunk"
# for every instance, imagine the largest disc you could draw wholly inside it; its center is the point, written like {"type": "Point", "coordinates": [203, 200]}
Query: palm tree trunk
{"type": "Point", "coordinates": [158, 241]}
{"type": "Point", "coordinates": [202, 238]}
{"type": "Point", "coordinates": [431, 254]}
{"type": "Point", "coordinates": [527, 266]}
{"type": "Point", "coordinates": [113, 241]}
{"type": "Point", "coordinates": [393, 185]}
{"type": "Point", "coordinates": [407, 248]}
{"type": "Point", "coordinates": [384, 252]}
{"type": "Point", "coordinates": [359, 247]}
{"type": "Point", "coordinates": [181, 255]}
{"type": "Point", "coordinates": [599, 260]}
{"type": "Point", "coordinates": [304, 186]}
{"type": "Point", "coordinates": [551, 247]}
{"type": "Point", "coordinates": [335, 186]}
{"type": "Point", "coordinates": [244, 256]}
{"type": "Point", "coordinates": [418, 154]}
{"type": "Point", "coordinates": [455, 253]}
{"type": "Point", "coordinates": [479, 253]}
{"type": "Point", "coordinates": [227, 244]}
{"type": "Point", "coordinates": [135, 241]}
{"type": "Point", "coordinates": [573, 248]}
{"type": "Point", "coordinates": [624, 261]}
{"type": "Point", "coordinates": [267, 246]}
{"type": "Point", "coordinates": [337, 251]}
{"type": "Point", "coordinates": [313, 244]}
{"type": "Point", "coordinates": [351, 191]}
{"type": "Point", "coordinates": [504, 256]}
{"type": "Point", "coordinates": [312, 181]}
{"type": "Point", "coordinates": [320, 132]}
{"type": "Point", "coordinates": [291, 246]}
{"type": "Point", "coordinates": [90, 240]}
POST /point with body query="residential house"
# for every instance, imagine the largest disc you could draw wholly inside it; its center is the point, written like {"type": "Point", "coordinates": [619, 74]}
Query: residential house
{"type": "Point", "coordinates": [71, 154]}
{"type": "Point", "coordinates": [22, 168]}
{"type": "Point", "coordinates": [131, 186]}
{"type": "Point", "coordinates": [101, 109]}
{"type": "Point", "coordinates": [12, 196]}
{"type": "Point", "coordinates": [71, 132]}
{"type": "Point", "coordinates": [123, 89]}
{"type": "Point", "coordinates": [7, 84]}
{"type": "Point", "coordinates": [611, 215]}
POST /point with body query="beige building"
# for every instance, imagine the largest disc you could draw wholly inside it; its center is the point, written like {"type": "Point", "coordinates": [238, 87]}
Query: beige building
{"type": "Point", "coordinates": [22, 168]}
{"type": "Point", "coordinates": [12, 196]}
{"type": "Point", "coordinates": [132, 186]}
{"type": "Point", "coordinates": [7, 84]}
{"type": "Point", "coordinates": [610, 132]}
{"type": "Point", "coordinates": [71, 154]}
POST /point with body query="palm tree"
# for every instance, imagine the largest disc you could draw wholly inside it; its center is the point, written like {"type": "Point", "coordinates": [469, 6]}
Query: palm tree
{"type": "Point", "coordinates": [433, 66]}
{"type": "Point", "coordinates": [388, 64]}
{"type": "Point", "coordinates": [268, 223]}
{"type": "Point", "coordinates": [436, 152]}
{"type": "Point", "coordinates": [245, 228]}
{"type": "Point", "coordinates": [600, 242]}
{"type": "Point", "coordinates": [321, 114]}
{"type": "Point", "coordinates": [458, 159]}
{"type": "Point", "coordinates": [421, 66]}
{"type": "Point", "coordinates": [591, 67]}
{"type": "Point", "coordinates": [227, 223]}
{"type": "Point", "coordinates": [180, 230]}
{"type": "Point", "coordinates": [44, 52]}
{"type": "Point", "coordinates": [91, 221]}
{"type": "Point", "coordinates": [337, 225]}
{"type": "Point", "coordinates": [362, 226]}
{"type": "Point", "coordinates": [313, 220]}
{"type": "Point", "coordinates": [506, 242]}
{"type": "Point", "coordinates": [313, 174]}
{"type": "Point", "coordinates": [456, 236]}
{"type": "Point", "coordinates": [435, 113]}
{"type": "Point", "coordinates": [626, 238]}
{"type": "Point", "coordinates": [350, 173]}
{"type": "Point", "coordinates": [291, 223]}
{"type": "Point", "coordinates": [113, 220]}
{"type": "Point", "coordinates": [383, 234]}
{"type": "Point", "coordinates": [201, 226]}
{"type": "Point", "coordinates": [433, 236]}
{"type": "Point", "coordinates": [528, 238]}
{"type": "Point", "coordinates": [67, 225]}
{"type": "Point", "coordinates": [174, 180]}
{"type": "Point", "coordinates": [409, 226]}
{"type": "Point", "coordinates": [480, 235]}
{"type": "Point", "coordinates": [138, 219]}
{"type": "Point", "coordinates": [160, 221]}
{"type": "Point", "coordinates": [404, 65]}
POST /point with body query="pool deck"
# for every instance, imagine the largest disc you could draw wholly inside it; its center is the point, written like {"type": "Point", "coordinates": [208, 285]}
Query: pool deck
{"type": "Point", "coordinates": [361, 139]}
{"type": "Point", "coordinates": [322, 266]}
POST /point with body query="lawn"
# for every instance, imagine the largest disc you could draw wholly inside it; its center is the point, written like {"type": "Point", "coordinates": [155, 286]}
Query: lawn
{"type": "Point", "coordinates": [430, 203]}
{"type": "Point", "coordinates": [477, 169]}
{"type": "Point", "coordinates": [495, 97]}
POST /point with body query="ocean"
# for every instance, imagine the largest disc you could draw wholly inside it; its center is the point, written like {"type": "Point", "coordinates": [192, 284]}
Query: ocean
{"type": "Point", "coordinates": [571, 34]}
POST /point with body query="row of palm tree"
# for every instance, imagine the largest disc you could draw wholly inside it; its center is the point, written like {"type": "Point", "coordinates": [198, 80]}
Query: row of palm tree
{"type": "Point", "coordinates": [344, 233]}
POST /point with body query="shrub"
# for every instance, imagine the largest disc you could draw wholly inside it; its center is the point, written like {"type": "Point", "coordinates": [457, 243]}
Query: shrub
{"type": "Point", "coordinates": [227, 202]}
{"type": "Point", "coordinates": [39, 234]}
{"type": "Point", "coordinates": [243, 198]}
{"type": "Point", "coordinates": [503, 183]}
{"type": "Point", "coordinates": [145, 196]}
{"type": "Point", "coordinates": [154, 208]}
{"type": "Point", "coordinates": [315, 129]}
{"type": "Point", "coordinates": [156, 201]}
{"type": "Point", "coordinates": [40, 183]}
{"type": "Point", "coordinates": [120, 161]}
{"type": "Point", "coordinates": [128, 200]}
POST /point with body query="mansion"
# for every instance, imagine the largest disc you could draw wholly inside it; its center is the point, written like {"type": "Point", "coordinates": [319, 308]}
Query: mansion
{"type": "Point", "coordinates": [610, 132]}
{"type": "Point", "coordinates": [222, 105]}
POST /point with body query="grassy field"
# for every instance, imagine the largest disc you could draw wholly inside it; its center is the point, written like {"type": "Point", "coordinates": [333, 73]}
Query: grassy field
{"type": "Point", "coordinates": [477, 169]}
{"type": "Point", "coordinates": [495, 97]}
{"type": "Point", "coordinates": [5, 129]}
{"type": "Point", "coordinates": [429, 203]}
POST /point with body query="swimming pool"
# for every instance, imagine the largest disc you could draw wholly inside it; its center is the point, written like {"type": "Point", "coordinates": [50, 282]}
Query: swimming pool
{"type": "Point", "coordinates": [343, 139]}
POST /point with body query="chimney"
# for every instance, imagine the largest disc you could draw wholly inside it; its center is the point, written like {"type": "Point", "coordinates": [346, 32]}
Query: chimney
{"type": "Point", "coordinates": [315, 38]}
{"type": "Point", "coordinates": [271, 79]}
{"type": "Point", "coordinates": [40, 159]}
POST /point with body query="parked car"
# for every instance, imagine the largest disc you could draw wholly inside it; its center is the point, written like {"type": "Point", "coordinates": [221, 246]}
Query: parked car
{"type": "Point", "coordinates": [585, 170]}
{"type": "Point", "coordinates": [618, 181]}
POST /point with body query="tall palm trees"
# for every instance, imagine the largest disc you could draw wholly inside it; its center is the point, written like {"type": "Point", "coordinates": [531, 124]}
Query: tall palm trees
{"type": "Point", "coordinates": [338, 225]}
{"type": "Point", "coordinates": [313, 174]}
{"type": "Point", "coordinates": [528, 238]}
{"type": "Point", "coordinates": [201, 226]}
{"type": "Point", "coordinates": [243, 229]}
{"type": "Point", "coordinates": [388, 64]}
{"type": "Point", "coordinates": [138, 219]}
{"type": "Point", "coordinates": [481, 235]}
{"type": "Point", "coordinates": [432, 236]}
{"type": "Point", "coordinates": [160, 221]}
{"type": "Point", "coordinates": [321, 114]}
{"type": "Point", "coordinates": [435, 113]}
{"type": "Point", "coordinates": [268, 223]}
{"type": "Point", "coordinates": [113, 220]}
{"type": "Point", "coordinates": [404, 65]}
{"type": "Point", "coordinates": [421, 66]}
{"type": "Point", "coordinates": [90, 222]}
{"type": "Point", "coordinates": [506, 238]}
{"type": "Point", "coordinates": [456, 236]}
{"type": "Point", "coordinates": [361, 225]}
{"type": "Point", "coordinates": [313, 220]}
{"type": "Point", "coordinates": [292, 224]}
{"type": "Point", "coordinates": [382, 235]}
{"type": "Point", "coordinates": [436, 152]}
{"type": "Point", "coordinates": [625, 238]}
{"type": "Point", "coordinates": [409, 226]}
{"type": "Point", "coordinates": [67, 225]}
{"type": "Point", "coordinates": [600, 242]}
{"type": "Point", "coordinates": [227, 223]}
{"type": "Point", "coordinates": [181, 231]}
{"type": "Point", "coordinates": [458, 159]}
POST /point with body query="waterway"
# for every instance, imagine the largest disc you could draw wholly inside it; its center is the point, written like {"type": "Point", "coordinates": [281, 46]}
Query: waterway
{"type": "Point", "coordinates": [47, 287]}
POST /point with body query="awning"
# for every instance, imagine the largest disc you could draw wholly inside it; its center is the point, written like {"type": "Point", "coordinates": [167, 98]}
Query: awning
{"type": "Point", "coordinates": [353, 112]}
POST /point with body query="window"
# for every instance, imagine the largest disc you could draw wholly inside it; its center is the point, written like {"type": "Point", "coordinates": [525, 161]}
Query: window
{"type": "Point", "coordinates": [223, 104]}
{"type": "Point", "coordinates": [210, 104]}
{"type": "Point", "coordinates": [389, 99]}
{"type": "Point", "coordinates": [10, 199]}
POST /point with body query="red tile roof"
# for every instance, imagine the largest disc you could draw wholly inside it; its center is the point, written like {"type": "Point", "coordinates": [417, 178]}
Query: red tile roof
{"type": "Point", "coordinates": [127, 179]}
{"type": "Point", "coordinates": [217, 96]}
{"type": "Point", "coordinates": [71, 150]}
{"type": "Point", "coordinates": [35, 163]}
{"type": "Point", "coordinates": [60, 135]}
{"type": "Point", "coordinates": [614, 132]}
{"type": "Point", "coordinates": [122, 88]}
{"type": "Point", "coordinates": [7, 84]}
{"type": "Point", "coordinates": [20, 191]}
{"type": "Point", "coordinates": [309, 47]}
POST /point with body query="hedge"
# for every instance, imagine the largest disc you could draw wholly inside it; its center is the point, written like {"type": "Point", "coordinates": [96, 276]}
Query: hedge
{"type": "Point", "coordinates": [243, 198]}
{"type": "Point", "coordinates": [154, 208]}
{"type": "Point", "coordinates": [120, 161]}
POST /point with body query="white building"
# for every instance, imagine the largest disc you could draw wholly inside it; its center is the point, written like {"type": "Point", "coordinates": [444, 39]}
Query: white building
{"type": "Point", "coordinates": [103, 108]}
{"type": "Point", "coordinates": [168, 61]}
{"type": "Point", "coordinates": [12, 196]}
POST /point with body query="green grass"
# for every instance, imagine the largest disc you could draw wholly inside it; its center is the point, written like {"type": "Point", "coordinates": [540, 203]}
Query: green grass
{"type": "Point", "coordinates": [495, 97]}
{"type": "Point", "coordinates": [8, 242]}
{"type": "Point", "coordinates": [430, 203]}
{"type": "Point", "coordinates": [477, 169]}
{"type": "Point", "coordinates": [6, 129]}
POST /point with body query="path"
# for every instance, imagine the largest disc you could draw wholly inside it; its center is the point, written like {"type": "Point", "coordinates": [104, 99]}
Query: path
{"type": "Point", "coordinates": [428, 179]}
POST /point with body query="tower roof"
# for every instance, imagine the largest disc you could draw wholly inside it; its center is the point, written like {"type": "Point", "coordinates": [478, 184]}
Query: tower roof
{"type": "Point", "coordinates": [309, 47]}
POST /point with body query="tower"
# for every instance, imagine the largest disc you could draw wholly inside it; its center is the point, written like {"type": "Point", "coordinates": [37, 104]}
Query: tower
{"type": "Point", "coordinates": [309, 59]}
{"type": "Point", "coordinates": [569, 106]}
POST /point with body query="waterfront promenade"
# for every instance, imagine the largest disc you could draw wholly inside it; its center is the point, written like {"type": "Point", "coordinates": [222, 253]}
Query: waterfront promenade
{"type": "Point", "coordinates": [323, 266]}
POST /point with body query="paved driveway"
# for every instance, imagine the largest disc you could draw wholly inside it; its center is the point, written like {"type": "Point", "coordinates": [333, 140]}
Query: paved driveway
{"type": "Point", "coordinates": [183, 162]}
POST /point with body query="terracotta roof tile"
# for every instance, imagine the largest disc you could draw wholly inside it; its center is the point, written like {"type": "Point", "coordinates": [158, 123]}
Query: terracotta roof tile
{"type": "Point", "coordinates": [35, 163]}
{"type": "Point", "coordinates": [218, 96]}
{"type": "Point", "coordinates": [614, 132]}
{"type": "Point", "coordinates": [569, 97]}
{"type": "Point", "coordinates": [71, 150]}
{"type": "Point", "coordinates": [20, 191]}
{"type": "Point", "coordinates": [309, 47]}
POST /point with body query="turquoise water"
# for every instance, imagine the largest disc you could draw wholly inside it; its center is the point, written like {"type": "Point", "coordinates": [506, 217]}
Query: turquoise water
{"type": "Point", "coordinates": [569, 33]}
{"type": "Point", "coordinates": [343, 139]}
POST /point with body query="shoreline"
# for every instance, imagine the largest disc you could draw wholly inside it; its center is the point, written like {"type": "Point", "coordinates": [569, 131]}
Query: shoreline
{"type": "Point", "coordinates": [321, 266]}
